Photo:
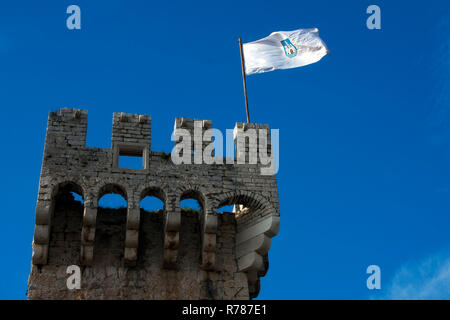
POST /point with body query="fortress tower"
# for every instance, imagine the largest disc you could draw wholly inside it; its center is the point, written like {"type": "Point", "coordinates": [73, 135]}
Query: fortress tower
{"type": "Point", "coordinates": [129, 253]}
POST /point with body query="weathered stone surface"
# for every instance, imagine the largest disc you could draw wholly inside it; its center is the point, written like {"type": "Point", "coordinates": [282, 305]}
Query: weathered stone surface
{"type": "Point", "coordinates": [132, 254]}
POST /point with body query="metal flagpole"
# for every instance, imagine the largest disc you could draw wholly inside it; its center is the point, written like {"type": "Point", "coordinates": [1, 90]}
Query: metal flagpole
{"type": "Point", "coordinates": [243, 78]}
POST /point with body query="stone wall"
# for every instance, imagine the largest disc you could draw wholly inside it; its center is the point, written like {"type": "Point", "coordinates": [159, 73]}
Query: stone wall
{"type": "Point", "coordinates": [130, 254]}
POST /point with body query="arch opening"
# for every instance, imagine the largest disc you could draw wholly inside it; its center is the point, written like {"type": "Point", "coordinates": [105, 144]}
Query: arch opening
{"type": "Point", "coordinates": [151, 205]}
{"type": "Point", "coordinates": [67, 221]}
{"type": "Point", "coordinates": [192, 201]}
{"type": "Point", "coordinates": [151, 230]}
{"type": "Point", "coordinates": [225, 208]}
{"type": "Point", "coordinates": [153, 200]}
{"type": "Point", "coordinates": [191, 209]}
{"type": "Point", "coordinates": [112, 196]}
{"type": "Point", "coordinates": [110, 230]}
{"type": "Point", "coordinates": [240, 205]}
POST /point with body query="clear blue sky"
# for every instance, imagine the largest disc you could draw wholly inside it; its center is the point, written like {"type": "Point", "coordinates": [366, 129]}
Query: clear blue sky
{"type": "Point", "coordinates": [364, 133]}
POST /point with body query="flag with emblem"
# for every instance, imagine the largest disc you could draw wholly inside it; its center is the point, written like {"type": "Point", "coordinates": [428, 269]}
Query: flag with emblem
{"type": "Point", "coordinates": [283, 50]}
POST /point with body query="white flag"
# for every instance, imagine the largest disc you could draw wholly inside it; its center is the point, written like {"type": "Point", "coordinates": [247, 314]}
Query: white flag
{"type": "Point", "coordinates": [284, 50]}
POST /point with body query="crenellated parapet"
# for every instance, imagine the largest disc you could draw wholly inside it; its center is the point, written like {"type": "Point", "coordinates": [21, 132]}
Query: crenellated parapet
{"type": "Point", "coordinates": [233, 247]}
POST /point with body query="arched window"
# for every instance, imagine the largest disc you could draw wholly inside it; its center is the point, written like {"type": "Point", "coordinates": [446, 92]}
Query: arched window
{"type": "Point", "coordinates": [247, 206]}
{"type": "Point", "coordinates": [112, 197]}
{"type": "Point", "coordinates": [65, 233]}
{"type": "Point", "coordinates": [191, 202]}
{"type": "Point", "coordinates": [241, 205]}
{"type": "Point", "coordinates": [151, 239]}
{"type": "Point", "coordinates": [226, 208]}
{"type": "Point", "coordinates": [111, 225]}
{"type": "Point", "coordinates": [192, 210]}
{"type": "Point", "coordinates": [152, 200]}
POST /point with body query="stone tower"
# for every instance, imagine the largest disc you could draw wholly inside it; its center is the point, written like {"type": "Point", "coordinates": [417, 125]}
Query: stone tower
{"type": "Point", "coordinates": [128, 253]}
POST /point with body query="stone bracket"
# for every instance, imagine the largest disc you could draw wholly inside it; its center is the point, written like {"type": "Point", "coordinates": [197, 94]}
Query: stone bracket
{"type": "Point", "coordinates": [132, 236]}
{"type": "Point", "coordinates": [44, 210]}
{"type": "Point", "coordinates": [88, 235]}
{"type": "Point", "coordinates": [209, 242]}
{"type": "Point", "coordinates": [252, 244]}
{"type": "Point", "coordinates": [171, 238]}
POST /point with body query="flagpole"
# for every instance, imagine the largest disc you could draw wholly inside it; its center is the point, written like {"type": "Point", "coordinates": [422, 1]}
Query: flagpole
{"type": "Point", "coordinates": [243, 78]}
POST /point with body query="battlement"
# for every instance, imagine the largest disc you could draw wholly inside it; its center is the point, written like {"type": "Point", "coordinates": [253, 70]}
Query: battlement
{"type": "Point", "coordinates": [204, 252]}
{"type": "Point", "coordinates": [196, 129]}
{"type": "Point", "coordinates": [251, 139]}
{"type": "Point", "coordinates": [67, 127]}
{"type": "Point", "coordinates": [133, 128]}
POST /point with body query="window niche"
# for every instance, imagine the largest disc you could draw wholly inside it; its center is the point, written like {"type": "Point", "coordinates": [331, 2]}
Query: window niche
{"type": "Point", "coordinates": [130, 156]}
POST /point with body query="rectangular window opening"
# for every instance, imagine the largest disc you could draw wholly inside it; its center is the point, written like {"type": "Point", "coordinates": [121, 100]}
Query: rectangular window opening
{"type": "Point", "coordinates": [131, 162]}
{"type": "Point", "coordinates": [130, 156]}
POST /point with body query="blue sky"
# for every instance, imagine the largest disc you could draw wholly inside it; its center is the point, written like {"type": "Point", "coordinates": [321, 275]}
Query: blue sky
{"type": "Point", "coordinates": [364, 133]}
